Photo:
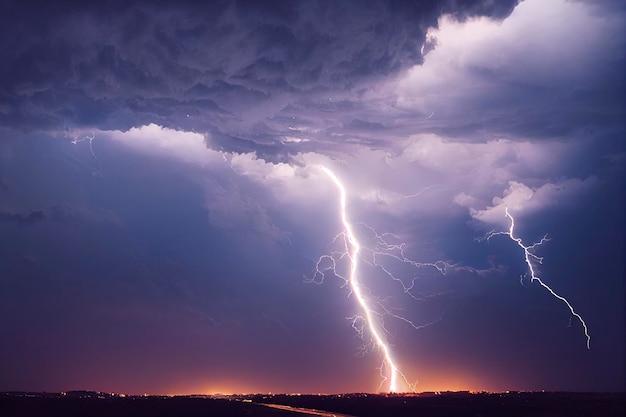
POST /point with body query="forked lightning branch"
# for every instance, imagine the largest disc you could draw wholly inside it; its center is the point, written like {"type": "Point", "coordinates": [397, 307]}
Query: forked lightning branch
{"type": "Point", "coordinates": [370, 320]}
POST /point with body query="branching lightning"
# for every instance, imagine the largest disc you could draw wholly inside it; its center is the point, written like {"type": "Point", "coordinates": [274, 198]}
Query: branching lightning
{"type": "Point", "coordinates": [353, 253]}
{"type": "Point", "coordinates": [378, 252]}
{"type": "Point", "coordinates": [93, 154]}
{"type": "Point", "coordinates": [529, 257]}
{"type": "Point", "coordinates": [372, 309]}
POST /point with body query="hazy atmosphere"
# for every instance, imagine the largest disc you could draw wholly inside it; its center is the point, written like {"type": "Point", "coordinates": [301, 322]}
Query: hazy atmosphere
{"type": "Point", "coordinates": [167, 225]}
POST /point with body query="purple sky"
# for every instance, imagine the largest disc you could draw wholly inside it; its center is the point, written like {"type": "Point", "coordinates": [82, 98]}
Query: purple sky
{"type": "Point", "coordinates": [162, 205]}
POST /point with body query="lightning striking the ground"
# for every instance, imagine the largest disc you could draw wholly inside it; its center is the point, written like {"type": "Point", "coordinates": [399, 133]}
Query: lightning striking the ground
{"type": "Point", "coordinates": [372, 308]}
{"type": "Point", "coordinates": [353, 254]}
{"type": "Point", "coordinates": [529, 257]}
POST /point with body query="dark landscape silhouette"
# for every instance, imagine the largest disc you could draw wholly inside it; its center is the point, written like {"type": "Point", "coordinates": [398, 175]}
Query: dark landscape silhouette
{"type": "Point", "coordinates": [440, 404]}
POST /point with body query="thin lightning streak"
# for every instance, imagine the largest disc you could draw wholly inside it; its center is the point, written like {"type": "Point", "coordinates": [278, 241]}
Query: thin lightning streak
{"type": "Point", "coordinates": [393, 251]}
{"type": "Point", "coordinates": [353, 249]}
{"type": "Point", "coordinates": [275, 320]}
{"type": "Point", "coordinates": [423, 190]}
{"type": "Point", "coordinates": [529, 256]}
{"type": "Point", "coordinates": [90, 139]}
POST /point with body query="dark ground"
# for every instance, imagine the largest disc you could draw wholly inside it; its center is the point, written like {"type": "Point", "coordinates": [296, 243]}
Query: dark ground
{"type": "Point", "coordinates": [46, 405]}
{"type": "Point", "coordinates": [463, 404]}
{"type": "Point", "coordinates": [83, 403]}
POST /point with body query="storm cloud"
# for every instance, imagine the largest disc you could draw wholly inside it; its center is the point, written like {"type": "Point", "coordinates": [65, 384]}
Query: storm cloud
{"type": "Point", "coordinates": [162, 205]}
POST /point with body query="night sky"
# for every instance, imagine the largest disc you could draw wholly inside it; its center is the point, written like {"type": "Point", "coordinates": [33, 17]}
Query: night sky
{"type": "Point", "coordinates": [163, 205]}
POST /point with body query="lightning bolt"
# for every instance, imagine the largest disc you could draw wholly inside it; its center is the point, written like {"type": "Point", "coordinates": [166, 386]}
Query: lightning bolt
{"type": "Point", "coordinates": [355, 286]}
{"type": "Point", "coordinates": [529, 257]}
{"type": "Point", "coordinates": [93, 154]}
{"type": "Point", "coordinates": [372, 309]}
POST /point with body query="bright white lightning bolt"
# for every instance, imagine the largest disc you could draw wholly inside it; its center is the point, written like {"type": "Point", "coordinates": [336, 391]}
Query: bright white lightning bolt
{"type": "Point", "coordinates": [373, 324]}
{"type": "Point", "coordinates": [528, 257]}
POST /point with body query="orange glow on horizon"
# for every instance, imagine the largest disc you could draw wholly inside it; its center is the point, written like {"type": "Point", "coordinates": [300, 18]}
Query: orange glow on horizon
{"type": "Point", "coordinates": [433, 378]}
{"type": "Point", "coordinates": [216, 388]}
{"type": "Point", "coordinates": [442, 384]}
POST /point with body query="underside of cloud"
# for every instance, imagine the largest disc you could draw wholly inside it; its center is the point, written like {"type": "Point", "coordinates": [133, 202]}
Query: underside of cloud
{"type": "Point", "coordinates": [519, 198]}
{"type": "Point", "coordinates": [417, 107]}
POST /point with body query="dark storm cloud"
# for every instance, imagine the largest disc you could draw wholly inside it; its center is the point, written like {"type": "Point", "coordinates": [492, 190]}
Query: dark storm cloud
{"type": "Point", "coordinates": [115, 65]}
{"type": "Point", "coordinates": [22, 219]}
